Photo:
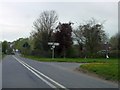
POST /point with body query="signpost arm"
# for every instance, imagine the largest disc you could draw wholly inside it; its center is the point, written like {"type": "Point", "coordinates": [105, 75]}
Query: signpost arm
{"type": "Point", "coordinates": [53, 44]}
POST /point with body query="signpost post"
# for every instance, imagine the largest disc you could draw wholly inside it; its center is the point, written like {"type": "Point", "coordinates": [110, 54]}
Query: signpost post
{"type": "Point", "coordinates": [53, 44]}
{"type": "Point", "coordinates": [106, 47]}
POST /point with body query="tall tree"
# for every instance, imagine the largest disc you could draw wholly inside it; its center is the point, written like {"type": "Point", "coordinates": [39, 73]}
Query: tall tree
{"type": "Point", "coordinates": [44, 27]}
{"type": "Point", "coordinates": [114, 41]}
{"type": "Point", "coordinates": [91, 35]}
{"type": "Point", "coordinates": [115, 45]}
{"type": "Point", "coordinates": [4, 47]}
{"type": "Point", "coordinates": [23, 45]}
{"type": "Point", "coordinates": [78, 36]}
{"type": "Point", "coordinates": [118, 40]}
{"type": "Point", "coordinates": [63, 36]}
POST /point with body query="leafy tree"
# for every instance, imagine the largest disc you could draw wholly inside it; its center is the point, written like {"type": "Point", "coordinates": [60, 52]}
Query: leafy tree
{"type": "Point", "coordinates": [23, 45]}
{"type": "Point", "coordinates": [26, 48]}
{"type": "Point", "coordinates": [91, 35]}
{"type": "Point", "coordinates": [114, 40]}
{"type": "Point", "coordinates": [18, 43]}
{"type": "Point", "coordinates": [63, 37]}
{"type": "Point", "coordinates": [119, 41]}
{"type": "Point", "coordinates": [44, 26]}
{"type": "Point", "coordinates": [78, 36]}
{"type": "Point", "coordinates": [115, 45]}
{"type": "Point", "coordinates": [26, 45]}
{"type": "Point", "coordinates": [4, 47]}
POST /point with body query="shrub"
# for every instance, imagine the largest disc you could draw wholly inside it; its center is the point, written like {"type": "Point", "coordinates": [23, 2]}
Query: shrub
{"type": "Point", "coordinates": [114, 54]}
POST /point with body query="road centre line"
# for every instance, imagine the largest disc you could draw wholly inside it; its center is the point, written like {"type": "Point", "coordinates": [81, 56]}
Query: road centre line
{"type": "Point", "coordinates": [33, 70]}
{"type": "Point", "coordinates": [45, 76]}
{"type": "Point", "coordinates": [48, 83]}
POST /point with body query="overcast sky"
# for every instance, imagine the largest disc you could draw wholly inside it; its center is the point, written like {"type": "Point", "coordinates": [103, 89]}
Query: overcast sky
{"type": "Point", "coordinates": [16, 18]}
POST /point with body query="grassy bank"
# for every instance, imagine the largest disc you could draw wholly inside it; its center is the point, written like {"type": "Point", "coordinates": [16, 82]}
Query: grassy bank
{"type": "Point", "coordinates": [78, 60]}
{"type": "Point", "coordinates": [105, 68]}
{"type": "Point", "coordinates": [108, 71]}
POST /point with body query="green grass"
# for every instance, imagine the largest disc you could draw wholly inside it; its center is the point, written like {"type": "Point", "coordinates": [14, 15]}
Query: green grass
{"type": "Point", "coordinates": [105, 68]}
{"type": "Point", "coordinates": [78, 60]}
{"type": "Point", "coordinates": [108, 71]}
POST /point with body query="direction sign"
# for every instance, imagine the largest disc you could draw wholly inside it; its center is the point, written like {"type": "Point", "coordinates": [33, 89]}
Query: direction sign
{"type": "Point", "coordinates": [53, 43]}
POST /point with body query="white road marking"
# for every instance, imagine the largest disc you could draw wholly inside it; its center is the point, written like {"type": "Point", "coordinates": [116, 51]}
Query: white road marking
{"type": "Point", "coordinates": [31, 69]}
{"type": "Point", "coordinates": [51, 85]}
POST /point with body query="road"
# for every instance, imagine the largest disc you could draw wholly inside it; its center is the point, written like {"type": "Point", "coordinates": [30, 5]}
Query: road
{"type": "Point", "coordinates": [18, 72]}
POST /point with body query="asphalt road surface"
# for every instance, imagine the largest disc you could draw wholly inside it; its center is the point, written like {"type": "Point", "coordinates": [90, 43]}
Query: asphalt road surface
{"type": "Point", "coordinates": [18, 72]}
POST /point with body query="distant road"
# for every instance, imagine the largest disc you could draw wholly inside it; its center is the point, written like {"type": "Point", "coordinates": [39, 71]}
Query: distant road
{"type": "Point", "coordinates": [20, 72]}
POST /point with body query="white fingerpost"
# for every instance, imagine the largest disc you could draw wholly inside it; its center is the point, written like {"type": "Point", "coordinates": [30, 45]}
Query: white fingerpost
{"type": "Point", "coordinates": [53, 44]}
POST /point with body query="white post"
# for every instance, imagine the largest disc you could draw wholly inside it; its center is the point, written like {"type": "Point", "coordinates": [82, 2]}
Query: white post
{"type": "Point", "coordinates": [106, 43]}
{"type": "Point", "coordinates": [53, 54]}
{"type": "Point", "coordinates": [53, 44]}
{"type": "Point", "coordinates": [53, 51]}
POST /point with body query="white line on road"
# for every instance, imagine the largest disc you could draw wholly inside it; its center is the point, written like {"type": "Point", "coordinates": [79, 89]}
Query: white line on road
{"type": "Point", "coordinates": [34, 72]}
{"type": "Point", "coordinates": [51, 85]}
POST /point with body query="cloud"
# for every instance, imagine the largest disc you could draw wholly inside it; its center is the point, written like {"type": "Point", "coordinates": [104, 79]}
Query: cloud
{"type": "Point", "coordinates": [16, 19]}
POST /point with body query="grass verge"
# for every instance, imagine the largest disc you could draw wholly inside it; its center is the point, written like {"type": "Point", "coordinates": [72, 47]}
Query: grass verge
{"type": "Point", "coordinates": [108, 71]}
{"type": "Point", "coordinates": [105, 68]}
{"type": "Point", "coordinates": [78, 60]}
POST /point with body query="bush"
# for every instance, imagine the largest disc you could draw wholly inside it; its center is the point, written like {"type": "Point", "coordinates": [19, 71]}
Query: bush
{"type": "Point", "coordinates": [115, 53]}
{"type": "Point", "coordinates": [111, 54]}
{"type": "Point", "coordinates": [41, 53]}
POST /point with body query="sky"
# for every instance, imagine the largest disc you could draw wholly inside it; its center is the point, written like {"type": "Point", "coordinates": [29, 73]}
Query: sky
{"type": "Point", "coordinates": [16, 18]}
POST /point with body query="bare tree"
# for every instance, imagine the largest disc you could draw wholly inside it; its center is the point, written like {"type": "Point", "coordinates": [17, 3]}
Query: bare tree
{"type": "Point", "coordinates": [44, 27]}
{"type": "Point", "coordinates": [91, 35]}
{"type": "Point", "coordinates": [78, 36]}
{"type": "Point", "coordinates": [114, 41]}
{"type": "Point", "coordinates": [46, 21]}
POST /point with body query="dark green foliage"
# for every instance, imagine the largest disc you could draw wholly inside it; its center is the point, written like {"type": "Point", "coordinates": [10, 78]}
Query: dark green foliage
{"type": "Point", "coordinates": [114, 41]}
{"type": "Point", "coordinates": [4, 47]}
{"type": "Point", "coordinates": [115, 46]}
{"type": "Point", "coordinates": [26, 45]}
{"type": "Point", "coordinates": [119, 41]}
{"type": "Point", "coordinates": [23, 45]}
{"type": "Point", "coordinates": [114, 54]}
{"type": "Point", "coordinates": [9, 50]}
{"type": "Point", "coordinates": [26, 49]}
